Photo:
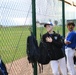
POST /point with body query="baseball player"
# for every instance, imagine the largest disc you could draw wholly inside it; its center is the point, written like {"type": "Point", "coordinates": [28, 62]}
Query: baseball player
{"type": "Point", "coordinates": [55, 45]}
{"type": "Point", "coordinates": [70, 42]}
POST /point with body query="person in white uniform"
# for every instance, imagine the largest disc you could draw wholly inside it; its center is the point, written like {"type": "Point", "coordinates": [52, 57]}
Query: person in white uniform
{"type": "Point", "coordinates": [70, 42]}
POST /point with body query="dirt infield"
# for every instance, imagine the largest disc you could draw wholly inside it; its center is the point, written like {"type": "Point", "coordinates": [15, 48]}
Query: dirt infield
{"type": "Point", "coordinates": [22, 67]}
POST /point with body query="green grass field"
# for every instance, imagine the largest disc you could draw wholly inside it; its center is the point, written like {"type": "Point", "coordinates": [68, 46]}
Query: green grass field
{"type": "Point", "coordinates": [13, 41]}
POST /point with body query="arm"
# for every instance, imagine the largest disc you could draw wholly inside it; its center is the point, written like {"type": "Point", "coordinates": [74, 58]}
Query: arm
{"type": "Point", "coordinates": [69, 38]}
{"type": "Point", "coordinates": [67, 42]}
{"type": "Point", "coordinates": [57, 43]}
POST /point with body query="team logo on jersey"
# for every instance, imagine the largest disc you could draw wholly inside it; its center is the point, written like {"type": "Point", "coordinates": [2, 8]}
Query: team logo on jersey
{"type": "Point", "coordinates": [55, 37]}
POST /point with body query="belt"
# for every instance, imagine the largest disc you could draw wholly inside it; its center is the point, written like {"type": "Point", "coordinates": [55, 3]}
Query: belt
{"type": "Point", "coordinates": [71, 48]}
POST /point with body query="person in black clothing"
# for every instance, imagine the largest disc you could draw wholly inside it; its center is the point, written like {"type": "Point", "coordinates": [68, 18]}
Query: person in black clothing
{"type": "Point", "coordinates": [55, 44]}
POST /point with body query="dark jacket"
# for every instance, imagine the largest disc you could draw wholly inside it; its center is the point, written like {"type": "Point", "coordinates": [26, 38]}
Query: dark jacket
{"type": "Point", "coordinates": [55, 46]}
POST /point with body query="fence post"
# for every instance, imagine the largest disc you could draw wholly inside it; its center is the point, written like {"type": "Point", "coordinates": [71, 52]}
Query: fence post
{"type": "Point", "coordinates": [63, 17]}
{"type": "Point", "coordinates": [34, 30]}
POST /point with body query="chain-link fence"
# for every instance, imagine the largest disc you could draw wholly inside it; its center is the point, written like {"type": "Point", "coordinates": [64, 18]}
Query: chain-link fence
{"type": "Point", "coordinates": [15, 23]}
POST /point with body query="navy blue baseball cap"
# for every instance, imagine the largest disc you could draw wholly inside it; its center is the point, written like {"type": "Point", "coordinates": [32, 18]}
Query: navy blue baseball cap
{"type": "Point", "coordinates": [49, 23]}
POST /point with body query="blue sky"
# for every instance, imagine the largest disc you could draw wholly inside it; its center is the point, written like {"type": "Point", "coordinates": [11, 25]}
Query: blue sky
{"type": "Point", "coordinates": [14, 12]}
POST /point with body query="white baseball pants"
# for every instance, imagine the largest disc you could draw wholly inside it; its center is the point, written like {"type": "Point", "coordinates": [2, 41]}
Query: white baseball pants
{"type": "Point", "coordinates": [70, 63]}
{"type": "Point", "coordinates": [61, 63]}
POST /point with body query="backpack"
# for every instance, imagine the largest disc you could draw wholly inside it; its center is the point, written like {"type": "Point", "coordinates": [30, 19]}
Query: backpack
{"type": "Point", "coordinates": [37, 53]}
{"type": "Point", "coordinates": [44, 56]}
{"type": "Point", "coordinates": [3, 70]}
{"type": "Point", "coordinates": [32, 49]}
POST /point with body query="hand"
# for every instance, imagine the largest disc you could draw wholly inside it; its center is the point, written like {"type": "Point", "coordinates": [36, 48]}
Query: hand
{"type": "Point", "coordinates": [49, 39]}
{"type": "Point", "coordinates": [66, 42]}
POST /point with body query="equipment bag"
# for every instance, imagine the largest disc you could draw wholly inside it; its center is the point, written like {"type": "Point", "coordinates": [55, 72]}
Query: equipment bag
{"type": "Point", "coordinates": [37, 53]}
{"type": "Point", "coordinates": [44, 56]}
{"type": "Point", "coordinates": [32, 49]}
